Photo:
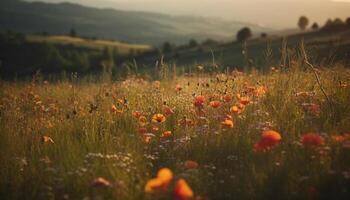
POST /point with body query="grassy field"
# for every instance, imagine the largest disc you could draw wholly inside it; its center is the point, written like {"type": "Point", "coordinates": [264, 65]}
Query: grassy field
{"type": "Point", "coordinates": [122, 48]}
{"type": "Point", "coordinates": [221, 136]}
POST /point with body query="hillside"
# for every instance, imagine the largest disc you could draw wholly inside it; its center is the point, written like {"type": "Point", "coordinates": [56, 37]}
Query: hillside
{"type": "Point", "coordinates": [122, 48]}
{"type": "Point", "coordinates": [325, 46]}
{"type": "Point", "coordinates": [129, 26]}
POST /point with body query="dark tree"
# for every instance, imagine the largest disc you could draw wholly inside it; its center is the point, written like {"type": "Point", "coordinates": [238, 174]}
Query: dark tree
{"type": "Point", "coordinates": [244, 34]}
{"type": "Point", "coordinates": [263, 35]}
{"type": "Point", "coordinates": [72, 32]}
{"type": "Point", "coordinates": [348, 21]}
{"type": "Point", "coordinates": [329, 22]}
{"type": "Point", "coordinates": [167, 47]}
{"type": "Point", "coordinates": [315, 26]}
{"type": "Point", "coordinates": [193, 43]}
{"type": "Point", "coordinates": [303, 22]}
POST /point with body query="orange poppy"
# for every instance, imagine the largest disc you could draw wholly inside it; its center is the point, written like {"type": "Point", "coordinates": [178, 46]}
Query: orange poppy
{"type": "Point", "coordinates": [268, 140]}
{"type": "Point", "coordinates": [215, 104]}
{"type": "Point", "coordinates": [260, 91]}
{"type": "Point", "coordinates": [164, 176]}
{"type": "Point", "coordinates": [312, 140]}
{"type": "Point", "coordinates": [227, 123]}
{"type": "Point", "coordinates": [166, 134]}
{"type": "Point", "coordinates": [199, 101]}
{"type": "Point", "coordinates": [153, 185]}
{"type": "Point", "coordinates": [137, 114]}
{"type": "Point", "coordinates": [271, 137]}
{"type": "Point", "coordinates": [234, 109]}
{"type": "Point", "coordinates": [337, 139]}
{"type": "Point", "coordinates": [244, 100]}
{"type": "Point", "coordinates": [158, 118]}
{"type": "Point", "coordinates": [182, 190]}
{"type": "Point", "coordinates": [237, 109]}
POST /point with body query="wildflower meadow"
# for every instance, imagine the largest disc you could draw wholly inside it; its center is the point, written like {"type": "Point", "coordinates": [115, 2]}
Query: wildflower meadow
{"type": "Point", "coordinates": [282, 134]}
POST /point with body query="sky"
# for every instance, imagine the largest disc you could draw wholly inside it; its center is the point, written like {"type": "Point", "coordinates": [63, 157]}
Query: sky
{"type": "Point", "coordinates": [278, 14]}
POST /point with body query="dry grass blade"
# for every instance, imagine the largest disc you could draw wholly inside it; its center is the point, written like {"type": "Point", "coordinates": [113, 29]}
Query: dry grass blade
{"type": "Point", "coordinates": [313, 69]}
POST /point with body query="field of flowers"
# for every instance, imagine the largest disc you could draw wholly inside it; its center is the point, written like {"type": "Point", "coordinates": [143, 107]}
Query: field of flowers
{"type": "Point", "coordinates": [280, 135]}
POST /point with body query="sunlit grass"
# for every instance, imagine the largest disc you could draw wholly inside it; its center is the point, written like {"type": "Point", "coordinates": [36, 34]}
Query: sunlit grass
{"type": "Point", "coordinates": [99, 44]}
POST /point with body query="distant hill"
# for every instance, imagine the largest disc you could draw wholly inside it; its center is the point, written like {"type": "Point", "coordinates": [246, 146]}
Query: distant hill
{"type": "Point", "coordinates": [129, 26]}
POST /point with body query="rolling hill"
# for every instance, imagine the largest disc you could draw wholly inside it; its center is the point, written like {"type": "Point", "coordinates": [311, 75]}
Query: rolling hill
{"type": "Point", "coordinates": [122, 48]}
{"type": "Point", "coordinates": [129, 26]}
{"type": "Point", "coordinates": [325, 46]}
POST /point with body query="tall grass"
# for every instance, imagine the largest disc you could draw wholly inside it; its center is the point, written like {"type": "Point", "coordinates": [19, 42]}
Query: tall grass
{"type": "Point", "coordinates": [90, 141]}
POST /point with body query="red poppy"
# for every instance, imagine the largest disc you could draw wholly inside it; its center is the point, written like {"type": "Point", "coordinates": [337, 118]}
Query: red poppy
{"type": "Point", "coordinates": [215, 104]}
{"type": "Point", "coordinates": [312, 140]}
{"type": "Point", "coordinates": [168, 111]}
{"type": "Point", "coordinates": [269, 139]}
{"type": "Point", "coordinates": [190, 164]}
{"type": "Point", "coordinates": [199, 101]}
{"type": "Point", "coordinates": [227, 98]}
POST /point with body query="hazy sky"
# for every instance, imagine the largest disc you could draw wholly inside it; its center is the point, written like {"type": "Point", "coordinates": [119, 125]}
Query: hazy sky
{"type": "Point", "coordinates": [271, 13]}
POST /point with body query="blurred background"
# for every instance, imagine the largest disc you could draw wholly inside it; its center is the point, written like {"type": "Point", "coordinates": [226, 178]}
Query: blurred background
{"type": "Point", "coordinates": [87, 36]}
